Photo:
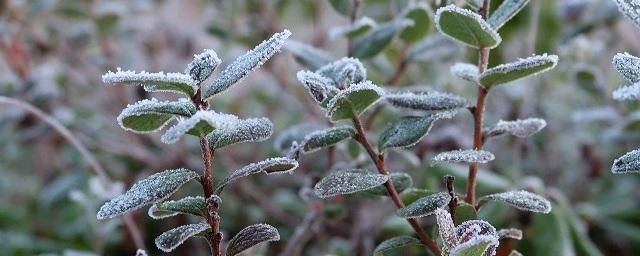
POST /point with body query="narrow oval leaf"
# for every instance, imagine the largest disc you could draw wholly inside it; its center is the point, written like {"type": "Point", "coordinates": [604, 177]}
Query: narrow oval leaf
{"type": "Point", "coordinates": [629, 92]}
{"type": "Point", "coordinates": [522, 200]}
{"type": "Point", "coordinates": [190, 205]}
{"type": "Point", "coordinates": [173, 238]}
{"type": "Point", "coordinates": [628, 163]}
{"type": "Point", "coordinates": [244, 130]}
{"type": "Point", "coordinates": [327, 137]}
{"type": "Point", "coordinates": [151, 115]}
{"type": "Point", "coordinates": [373, 43]}
{"type": "Point", "coordinates": [630, 9]}
{"type": "Point", "coordinates": [358, 28]}
{"type": "Point", "coordinates": [394, 243]}
{"type": "Point", "coordinates": [519, 128]}
{"type": "Point", "coordinates": [251, 236]}
{"type": "Point", "coordinates": [505, 12]}
{"type": "Point", "coordinates": [348, 182]}
{"type": "Point", "coordinates": [400, 181]}
{"type": "Point", "coordinates": [520, 69]}
{"type": "Point", "coordinates": [512, 233]}
{"type": "Point", "coordinates": [344, 72]}
{"type": "Point", "coordinates": [466, 71]}
{"type": "Point", "coordinates": [318, 86]}
{"type": "Point", "coordinates": [353, 101]}
{"type": "Point", "coordinates": [467, 156]}
{"type": "Point", "coordinates": [628, 66]}
{"type": "Point", "coordinates": [244, 64]}
{"type": "Point", "coordinates": [307, 55]}
{"type": "Point", "coordinates": [413, 194]}
{"type": "Point", "coordinates": [153, 82]}
{"type": "Point", "coordinates": [430, 101]}
{"type": "Point", "coordinates": [420, 15]}
{"type": "Point", "coordinates": [424, 206]}
{"type": "Point", "coordinates": [446, 228]}
{"type": "Point", "coordinates": [154, 188]}
{"type": "Point", "coordinates": [406, 131]}
{"type": "Point", "coordinates": [201, 123]}
{"type": "Point", "coordinates": [473, 228]}
{"type": "Point", "coordinates": [466, 27]}
{"type": "Point", "coordinates": [277, 165]}
{"type": "Point", "coordinates": [203, 65]}
{"type": "Point", "coordinates": [477, 246]}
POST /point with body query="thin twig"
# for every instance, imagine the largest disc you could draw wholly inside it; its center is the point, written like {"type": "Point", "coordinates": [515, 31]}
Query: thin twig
{"type": "Point", "coordinates": [453, 203]}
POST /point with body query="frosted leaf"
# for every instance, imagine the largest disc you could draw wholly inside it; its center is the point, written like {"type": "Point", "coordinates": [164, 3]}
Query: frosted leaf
{"type": "Point", "coordinates": [141, 252]}
{"type": "Point", "coordinates": [344, 72]}
{"type": "Point", "coordinates": [522, 200]}
{"type": "Point", "coordinates": [407, 131]}
{"type": "Point", "coordinates": [203, 65]}
{"type": "Point", "coordinates": [469, 232]}
{"type": "Point", "coordinates": [201, 123]}
{"type": "Point", "coordinates": [153, 82]}
{"type": "Point", "coordinates": [505, 12]}
{"type": "Point", "coordinates": [327, 137]}
{"type": "Point", "coordinates": [482, 245]}
{"type": "Point", "coordinates": [512, 233]}
{"type": "Point", "coordinates": [173, 238]}
{"type": "Point", "coordinates": [394, 243]}
{"type": "Point", "coordinates": [519, 128]}
{"type": "Point", "coordinates": [241, 67]}
{"type": "Point", "coordinates": [424, 206]}
{"type": "Point", "coordinates": [348, 182]}
{"type": "Point", "coordinates": [244, 130]}
{"type": "Point", "coordinates": [466, 71]}
{"type": "Point", "coordinates": [467, 156]}
{"type": "Point", "coordinates": [400, 181]}
{"type": "Point", "coordinates": [295, 133]}
{"type": "Point", "coordinates": [359, 27]}
{"type": "Point", "coordinates": [430, 101]}
{"type": "Point", "coordinates": [318, 86]}
{"type": "Point", "coordinates": [307, 55]}
{"type": "Point", "coordinates": [191, 205]}
{"type": "Point", "coordinates": [251, 236]}
{"type": "Point", "coordinates": [517, 70]}
{"type": "Point", "coordinates": [628, 66]}
{"type": "Point", "coordinates": [631, 9]}
{"type": "Point", "coordinates": [628, 163]}
{"type": "Point", "coordinates": [434, 48]}
{"type": "Point", "coordinates": [629, 92]}
{"type": "Point", "coordinates": [353, 101]}
{"type": "Point", "coordinates": [151, 115]}
{"type": "Point", "coordinates": [466, 27]}
{"type": "Point", "coordinates": [269, 166]}
{"type": "Point", "coordinates": [154, 188]}
{"type": "Point", "coordinates": [446, 228]}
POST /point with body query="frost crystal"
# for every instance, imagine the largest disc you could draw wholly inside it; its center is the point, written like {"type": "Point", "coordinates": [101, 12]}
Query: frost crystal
{"type": "Point", "coordinates": [192, 205]}
{"type": "Point", "coordinates": [348, 182]}
{"type": "Point", "coordinates": [141, 252]}
{"type": "Point", "coordinates": [360, 26]}
{"type": "Point", "coordinates": [244, 130]}
{"type": "Point", "coordinates": [424, 206]}
{"type": "Point", "coordinates": [317, 85]}
{"type": "Point", "coordinates": [519, 128]}
{"type": "Point", "coordinates": [154, 188]}
{"type": "Point", "coordinates": [466, 71]}
{"type": "Point", "coordinates": [478, 245]}
{"type": "Point", "coordinates": [353, 101]}
{"type": "Point", "coordinates": [512, 233]}
{"type": "Point", "coordinates": [276, 165]}
{"type": "Point", "coordinates": [517, 70]}
{"type": "Point", "coordinates": [344, 72]}
{"type": "Point", "coordinates": [505, 12]}
{"type": "Point", "coordinates": [631, 9]}
{"type": "Point", "coordinates": [630, 92]}
{"type": "Point", "coordinates": [208, 118]}
{"type": "Point", "coordinates": [628, 66]}
{"type": "Point", "coordinates": [246, 63]}
{"type": "Point", "coordinates": [152, 115]}
{"type": "Point", "coordinates": [446, 227]}
{"type": "Point", "coordinates": [175, 237]}
{"type": "Point", "coordinates": [203, 65]}
{"type": "Point", "coordinates": [468, 156]}
{"type": "Point", "coordinates": [628, 163]}
{"type": "Point", "coordinates": [475, 235]}
{"type": "Point", "coordinates": [431, 101]}
{"type": "Point", "coordinates": [173, 82]}
{"type": "Point", "coordinates": [327, 137]}
{"type": "Point", "coordinates": [522, 200]}
{"type": "Point", "coordinates": [251, 236]}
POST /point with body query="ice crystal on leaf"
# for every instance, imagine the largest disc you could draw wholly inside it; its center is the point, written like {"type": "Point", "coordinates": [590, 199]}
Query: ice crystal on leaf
{"type": "Point", "coordinates": [154, 188]}
{"type": "Point", "coordinates": [166, 82]}
{"type": "Point", "coordinates": [629, 92]}
{"type": "Point", "coordinates": [446, 228]}
{"type": "Point", "coordinates": [191, 205]}
{"type": "Point", "coordinates": [522, 200]}
{"type": "Point", "coordinates": [519, 128]}
{"type": "Point", "coordinates": [348, 182]}
{"type": "Point", "coordinates": [430, 101]}
{"type": "Point", "coordinates": [393, 243]}
{"type": "Point", "coordinates": [318, 86]}
{"type": "Point", "coordinates": [251, 236]}
{"type": "Point", "coordinates": [173, 238]}
{"type": "Point", "coordinates": [466, 71]}
{"type": "Point", "coordinates": [353, 101]}
{"type": "Point", "coordinates": [628, 66]}
{"type": "Point", "coordinates": [512, 233]}
{"type": "Point", "coordinates": [467, 156]}
{"type": "Point", "coordinates": [400, 181]}
{"type": "Point", "coordinates": [424, 206]}
{"type": "Point", "coordinates": [628, 163]}
{"type": "Point", "coordinates": [514, 71]}
{"type": "Point", "coordinates": [270, 166]}
{"type": "Point", "coordinates": [152, 115]}
{"type": "Point", "coordinates": [327, 137]}
{"type": "Point", "coordinates": [476, 236]}
{"type": "Point", "coordinates": [203, 65]}
{"type": "Point", "coordinates": [202, 122]}
{"type": "Point", "coordinates": [505, 12]}
{"type": "Point", "coordinates": [344, 72]}
{"type": "Point", "coordinates": [244, 130]}
{"type": "Point", "coordinates": [631, 9]}
{"type": "Point", "coordinates": [478, 245]}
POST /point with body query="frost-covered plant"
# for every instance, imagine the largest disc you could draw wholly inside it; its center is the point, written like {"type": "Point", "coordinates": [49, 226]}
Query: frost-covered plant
{"type": "Point", "coordinates": [215, 130]}
{"type": "Point", "coordinates": [342, 90]}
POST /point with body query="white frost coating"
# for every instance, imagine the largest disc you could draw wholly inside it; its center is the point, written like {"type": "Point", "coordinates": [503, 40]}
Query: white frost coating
{"type": "Point", "coordinates": [334, 103]}
{"type": "Point", "coordinates": [523, 64]}
{"type": "Point", "coordinates": [203, 65]}
{"type": "Point", "coordinates": [141, 252]}
{"type": "Point", "coordinates": [348, 182]}
{"type": "Point", "coordinates": [628, 66]}
{"type": "Point", "coordinates": [446, 228]}
{"type": "Point", "coordinates": [172, 208]}
{"type": "Point", "coordinates": [173, 238]}
{"type": "Point", "coordinates": [519, 128]}
{"type": "Point", "coordinates": [318, 139]}
{"type": "Point", "coordinates": [468, 156]}
{"type": "Point", "coordinates": [466, 71]}
{"type": "Point", "coordinates": [317, 85]}
{"type": "Point", "coordinates": [505, 12]}
{"type": "Point", "coordinates": [631, 9]}
{"type": "Point", "coordinates": [491, 242]}
{"type": "Point", "coordinates": [430, 101]}
{"type": "Point", "coordinates": [292, 134]}
{"type": "Point", "coordinates": [244, 130]}
{"type": "Point", "coordinates": [512, 233]}
{"type": "Point", "coordinates": [277, 165]}
{"type": "Point", "coordinates": [628, 163]}
{"type": "Point", "coordinates": [424, 206]}
{"type": "Point", "coordinates": [143, 77]}
{"type": "Point", "coordinates": [360, 24]}
{"type": "Point", "coordinates": [522, 200]}
{"type": "Point", "coordinates": [251, 60]}
{"type": "Point", "coordinates": [344, 72]}
{"type": "Point", "coordinates": [216, 120]}
{"type": "Point", "coordinates": [182, 107]}
{"type": "Point", "coordinates": [629, 92]}
{"type": "Point", "coordinates": [251, 236]}
{"type": "Point", "coordinates": [470, 14]}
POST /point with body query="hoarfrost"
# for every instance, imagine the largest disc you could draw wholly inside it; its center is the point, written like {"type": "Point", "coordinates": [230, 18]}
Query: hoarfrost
{"type": "Point", "coordinates": [628, 163]}
{"type": "Point", "coordinates": [251, 236]}
{"type": "Point", "coordinates": [425, 206]}
{"type": "Point", "coordinates": [173, 238]}
{"type": "Point", "coordinates": [216, 120]}
{"type": "Point", "coordinates": [348, 182]}
{"type": "Point", "coordinates": [631, 9]}
{"type": "Point", "coordinates": [244, 130]}
{"type": "Point", "coordinates": [522, 200]}
{"type": "Point", "coordinates": [629, 92]}
{"type": "Point", "coordinates": [468, 156]}
{"type": "Point", "coordinates": [431, 101]}
{"type": "Point", "coordinates": [628, 66]}
{"type": "Point", "coordinates": [469, 14]}
{"type": "Point", "coordinates": [203, 65]}
{"type": "Point", "coordinates": [466, 71]}
{"type": "Point", "coordinates": [520, 128]}
{"type": "Point", "coordinates": [275, 165]}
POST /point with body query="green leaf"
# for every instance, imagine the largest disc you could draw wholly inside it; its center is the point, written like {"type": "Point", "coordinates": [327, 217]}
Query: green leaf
{"type": "Point", "coordinates": [406, 131]}
{"type": "Point", "coordinates": [307, 55]}
{"type": "Point", "coordinates": [522, 200]}
{"type": "Point", "coordinates": [151, 115]}
{"type": "Point", "coordinates": [424, 206]}
{"type": "Point", "coordinates": [520, 69]}
{"type": "Point", "coordinates": [557, 239]}
{"type": "Point", "coordinates": [154, 82]}
{"type": "Point", "coordinates": [400, 181]}
{"type": "Point", "coordinates": [173, 238]}
{"type": "Point", "coordinates": [628, 163]}
{"type": "Point", "coordinates": [348, 182]}
{"type": "Point", "coordinates": [477, 246]}
{"type": "Point", "coordinates": [251, 236]}
{"type": "Point", "coordinates": [343, 7]}
{"type": "Point", "coordinates": [465, 212]}
{"type": "Point", "coordinates": [394, 243]}
{"type": "Point", "coordinates": [190, 205]}
{"type": "Point", "coordinates": [352, 101]}
{"type": "Point", "coordinates": [429, 101]}
{"type": "Point", "coordinates": [419, 14]}
{"type": "Point", "coordinates": [358, 28]}
{"type": "Point", "coordinates": [244, 130]}
{"type": "Point", "coordinates": [201, 123]}
{"type": "Point", "coordinates": [373, 43]}
{"type": "Point", "coordinates": [154, 188]}
{"type": "Point", "coordinates": [413, 194]}
{"type": "Point", "coordinates": [327, 137]}
{"type": "Point", "coordinates": [505, 12]}
{"type": "Point", "coordinates": [466, 27]}
{"type": "Point", "coordinates": [276, 165]}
